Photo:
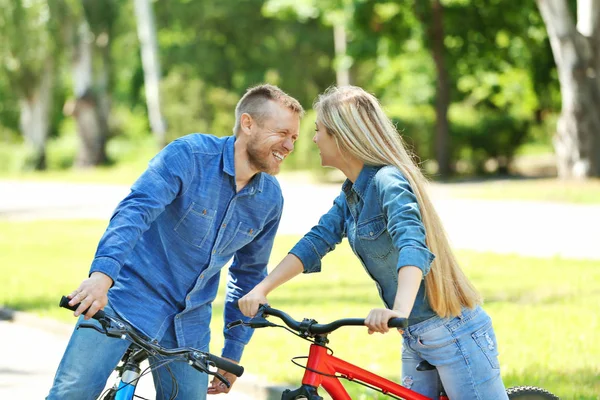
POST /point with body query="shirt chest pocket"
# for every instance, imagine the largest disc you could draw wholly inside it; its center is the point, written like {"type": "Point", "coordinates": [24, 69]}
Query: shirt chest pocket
{"type": "Point", "coordinates": [242, 234]}
{"type": "Point", "coordinates": [195, 225]}
{"type": "Point", "coordinates": [374, 238]}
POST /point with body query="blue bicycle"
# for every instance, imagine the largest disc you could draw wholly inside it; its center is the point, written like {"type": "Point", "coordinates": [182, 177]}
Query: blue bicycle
{"type": "Point", "coordinates": [141, 348]}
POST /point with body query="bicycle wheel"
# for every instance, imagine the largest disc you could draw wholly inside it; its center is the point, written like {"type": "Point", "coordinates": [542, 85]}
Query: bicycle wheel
{"type": "Point", "coordinates": [530, 393]}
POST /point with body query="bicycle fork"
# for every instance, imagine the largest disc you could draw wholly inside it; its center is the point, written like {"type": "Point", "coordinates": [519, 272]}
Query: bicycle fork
{"type": "Point", "coordinates": [129, 374]}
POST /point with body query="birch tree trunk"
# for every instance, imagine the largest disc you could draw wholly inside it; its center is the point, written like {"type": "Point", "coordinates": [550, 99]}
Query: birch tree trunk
{"type": "Point", "coordinates": [576, 51]}
{"type": "Point", "coordinates": [342, 72]}
{"type": "Point", "coordinates": [90, 121]}
{"type": "Point", "coordinates": [35, 115]}
{"type": "Point", "coordinates": [442, 99]}
{"type": "Point", "coordinates": [150, 63]}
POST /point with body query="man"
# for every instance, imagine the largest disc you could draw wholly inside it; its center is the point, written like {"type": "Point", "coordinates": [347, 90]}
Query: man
{"type": "Point", "coordinates": [202, 201]}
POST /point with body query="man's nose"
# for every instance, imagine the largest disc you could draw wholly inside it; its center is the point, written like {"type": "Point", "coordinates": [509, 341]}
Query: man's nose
{"type": "Point", "coordinates": [288, 144]}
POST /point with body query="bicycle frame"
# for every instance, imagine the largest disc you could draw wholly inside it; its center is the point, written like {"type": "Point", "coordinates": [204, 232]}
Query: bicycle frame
{"type": "Point", "coordinates": [320, 361]}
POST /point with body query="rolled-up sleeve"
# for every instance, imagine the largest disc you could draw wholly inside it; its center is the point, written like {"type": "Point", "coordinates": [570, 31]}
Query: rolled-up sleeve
{"type": "Point", "coordinates": [405, 224]}
{"type": "Point", "coordinates": [323, 237]}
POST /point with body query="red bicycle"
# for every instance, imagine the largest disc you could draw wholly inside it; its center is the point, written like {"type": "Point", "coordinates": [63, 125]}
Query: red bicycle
{"type": "Point", "coordinates": [324, 370]}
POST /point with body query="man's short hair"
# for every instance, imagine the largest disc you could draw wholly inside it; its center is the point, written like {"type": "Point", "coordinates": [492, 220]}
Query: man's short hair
{"type": "Point", "coordinates": [255, 100]}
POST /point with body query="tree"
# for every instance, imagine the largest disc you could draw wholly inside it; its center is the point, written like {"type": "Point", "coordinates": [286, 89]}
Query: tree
{"type": "Point", "coordinates": [576, 50]}
{"type": "Point", "coordinates": [149, 48]}
{"type": "Point", "coordinates": [29, 51]}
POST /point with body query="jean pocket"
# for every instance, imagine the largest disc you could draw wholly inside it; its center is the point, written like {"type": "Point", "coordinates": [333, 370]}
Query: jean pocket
{"type": "Point", "coordinates": [436, 338]}
{"type": "Point", "coordinates": [196, 224]}
{"type": "Point", "coordinates": [486, 341]}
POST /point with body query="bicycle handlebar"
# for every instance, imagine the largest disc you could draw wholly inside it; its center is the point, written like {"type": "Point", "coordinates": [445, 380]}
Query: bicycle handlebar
{"type": "Point", "coordinates": [197, 358]}
{"type": "Point", "coordinates": [64, 303]}
{"type": "Point", "coordinates": [311, 327]}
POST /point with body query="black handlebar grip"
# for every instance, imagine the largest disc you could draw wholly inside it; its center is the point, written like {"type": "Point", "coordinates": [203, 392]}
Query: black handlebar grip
{"type": "Point", "coordinates": [64, 303]}
{"type": "Point", "coordinates": [228, 366]}
{"type": "Point", "coordinates": [401, 323]}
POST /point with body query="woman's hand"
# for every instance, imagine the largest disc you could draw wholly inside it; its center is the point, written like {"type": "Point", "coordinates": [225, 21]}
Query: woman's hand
{"type": "Point", "coordinates": [249, 303]}
{"type": "Point", "coordinates": [377, 320]}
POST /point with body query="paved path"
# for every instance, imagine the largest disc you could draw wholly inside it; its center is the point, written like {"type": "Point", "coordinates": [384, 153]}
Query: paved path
{"type": "Point", "coordinates": [29, 355]}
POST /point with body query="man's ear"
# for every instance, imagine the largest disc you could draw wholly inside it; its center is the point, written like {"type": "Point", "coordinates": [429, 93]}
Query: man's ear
{"type": "Point", "coordinates": [246, 123]}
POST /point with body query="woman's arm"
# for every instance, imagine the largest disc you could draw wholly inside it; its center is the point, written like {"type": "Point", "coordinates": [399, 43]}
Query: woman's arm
{"type": "Point", "coordinates": [288, 268]}
{"type": "Point", "coordinates": [409, 280]}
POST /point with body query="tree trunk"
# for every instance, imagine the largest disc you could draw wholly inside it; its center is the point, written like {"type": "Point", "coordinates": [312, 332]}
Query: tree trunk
{"type": "Point", "coordinates": [342, 72]}
{"type": "Point", "coordinates": [90, 121]}
{"type": "Point", "coordinates": [35, 116]}
{"type": "Point", "coordinates": [442, 101]}
{"type": "Point", "coordinates": [576, 51]}
{"type": "Point", "coordinates": [150, 63]}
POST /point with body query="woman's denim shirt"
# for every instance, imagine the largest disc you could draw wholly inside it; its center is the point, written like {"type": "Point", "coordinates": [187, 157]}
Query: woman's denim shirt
{"type": "Point", "coordinates": [380, 216]}
{"type": "Point", "coordinates": [169, 238]}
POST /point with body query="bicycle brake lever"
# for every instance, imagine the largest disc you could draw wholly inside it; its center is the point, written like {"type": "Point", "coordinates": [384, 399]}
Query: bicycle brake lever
{"type": "Point", "coordinates": [235, 323]}
{"type": "Point", "coordinates": [222, 379]}
{"type": "Point", "coordinates": [259, 322]}
{"type": "Point", "coordinates": [94, 327]}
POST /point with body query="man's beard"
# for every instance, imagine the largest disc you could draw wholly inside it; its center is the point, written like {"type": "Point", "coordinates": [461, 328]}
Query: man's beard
{"type": "Point", "coordinates": [260, 158]}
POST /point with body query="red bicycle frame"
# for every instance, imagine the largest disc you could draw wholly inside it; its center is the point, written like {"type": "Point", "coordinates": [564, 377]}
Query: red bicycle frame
{"type": "Point", "coordinates": [320, 362]}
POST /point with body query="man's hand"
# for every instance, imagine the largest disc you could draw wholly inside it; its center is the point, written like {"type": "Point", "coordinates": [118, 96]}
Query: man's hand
{"type": "Point", "coordinates": [216, 386]}
{"type": "Point", "coordinates": [92, 294]}
{"type": "Point", "coordinates": [377, 320]}
{"type": "Point", "coordinates": [249, 303]}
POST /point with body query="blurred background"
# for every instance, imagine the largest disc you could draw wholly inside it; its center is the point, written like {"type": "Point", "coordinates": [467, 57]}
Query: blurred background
{"type": "Point", "coordinates": [472, 84]}
{"type": "Point", "coordinates": [499, 99]}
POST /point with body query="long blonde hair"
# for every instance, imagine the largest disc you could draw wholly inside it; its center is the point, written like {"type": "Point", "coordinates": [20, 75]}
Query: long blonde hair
{"type": "Point", "coordinates": [360, 127]}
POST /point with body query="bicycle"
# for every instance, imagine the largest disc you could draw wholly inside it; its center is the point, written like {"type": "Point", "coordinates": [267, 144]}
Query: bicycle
{"type": "Point", "coordinates": [129, 371]}
{"type": "Point", "coordinates": [324, 370]}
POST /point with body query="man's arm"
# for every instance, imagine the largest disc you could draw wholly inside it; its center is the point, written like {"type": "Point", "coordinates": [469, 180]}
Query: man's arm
{"type": "Point", "coordinates": [168, 176]}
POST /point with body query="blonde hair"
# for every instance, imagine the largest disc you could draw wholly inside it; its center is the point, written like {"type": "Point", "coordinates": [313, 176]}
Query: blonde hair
{"type": "Point", "coordinates": [255, 102]}
{"type": "Point", "coordinates": [360, 127]}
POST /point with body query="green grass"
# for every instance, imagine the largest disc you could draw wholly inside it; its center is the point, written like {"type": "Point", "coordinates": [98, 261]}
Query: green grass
{"type": "Point", "coordinates": [545, 311]}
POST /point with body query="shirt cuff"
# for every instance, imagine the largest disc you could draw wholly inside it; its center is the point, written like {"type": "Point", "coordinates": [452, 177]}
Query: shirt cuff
{"type": "Point", "coordinates": [308, 254]}
{"type": "Point", "coordinates": [415, 256]}
{"type": "Point", "coordinates": [107, 266]}
{"type": "Point", "coordinates": [233, 350]}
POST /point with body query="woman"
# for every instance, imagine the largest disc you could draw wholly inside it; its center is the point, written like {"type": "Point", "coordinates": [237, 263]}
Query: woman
{"type": "Point", "coordinates": [391, 225]}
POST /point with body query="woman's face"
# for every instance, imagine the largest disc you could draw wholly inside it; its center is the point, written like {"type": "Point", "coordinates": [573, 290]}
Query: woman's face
{"type": "Point", "coordinates": [328, 149]}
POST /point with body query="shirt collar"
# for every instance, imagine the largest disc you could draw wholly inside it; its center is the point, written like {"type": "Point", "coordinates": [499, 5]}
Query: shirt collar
{"type": "Point", "coordinates": [256, 183]}
{"type": "Point", "coordinates": [362, 181]}
{"type": "Point", "coordinates": [228, 158]}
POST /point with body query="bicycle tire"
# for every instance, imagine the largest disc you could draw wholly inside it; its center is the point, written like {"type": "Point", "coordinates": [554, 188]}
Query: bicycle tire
{"type": "Point", "coordinates": [530, 393]}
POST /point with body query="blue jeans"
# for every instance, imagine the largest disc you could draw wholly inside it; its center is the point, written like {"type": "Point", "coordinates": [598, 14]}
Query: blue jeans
{"type": "Point", "coordinates": [464, 351]}
{"type": "Point", "coordinates": [91, 357]}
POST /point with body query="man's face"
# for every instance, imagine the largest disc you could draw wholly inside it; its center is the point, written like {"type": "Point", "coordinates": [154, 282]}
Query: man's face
{"type": "Point", "coordinates": [273, 140]}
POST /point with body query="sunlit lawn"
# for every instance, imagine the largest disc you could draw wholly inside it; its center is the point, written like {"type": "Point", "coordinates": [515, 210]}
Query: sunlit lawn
{"type": "Point", "coordinates": [546, 311]}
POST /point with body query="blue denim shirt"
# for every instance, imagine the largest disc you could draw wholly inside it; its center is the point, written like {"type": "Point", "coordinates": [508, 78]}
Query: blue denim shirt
{"type": "Point", "coordinates": [380, 216]}
{"type": "Point", "coordinates": [168, 239]}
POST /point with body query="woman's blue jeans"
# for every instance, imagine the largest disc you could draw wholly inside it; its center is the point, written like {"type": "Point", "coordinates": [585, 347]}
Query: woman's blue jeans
{"type": "Point", "coordinates": [91, 357]}
{"type": "Point", "coordinates": [464, 351]}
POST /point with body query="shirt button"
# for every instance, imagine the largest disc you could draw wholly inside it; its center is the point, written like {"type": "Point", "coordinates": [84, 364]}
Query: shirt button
{"type": "Point", "coordinates": [224, 225]}
{"type": "Point", "coordinates": [189, 297]}
{"type": "Point", "coordinates": [214, 251]}
{"type": "Point", "coordinates": [202, 276]}
{"type": "Point", "coordinates": [177, 317]}
{"type": "Point", "coordinates": [371, 233]}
